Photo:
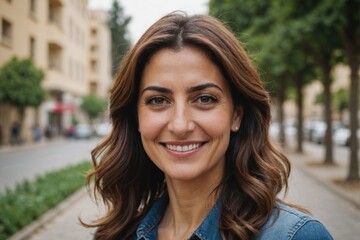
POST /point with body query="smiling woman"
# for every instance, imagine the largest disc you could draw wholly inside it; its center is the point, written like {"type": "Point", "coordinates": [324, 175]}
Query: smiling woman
{"type": "Point", "coordinates": [182, 94]}
{"type": "Point", "coordinates": [189, 155]}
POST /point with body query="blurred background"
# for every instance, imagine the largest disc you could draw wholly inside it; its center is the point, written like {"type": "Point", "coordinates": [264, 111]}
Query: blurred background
{"type": "Point", "coordinates": [58, 59]}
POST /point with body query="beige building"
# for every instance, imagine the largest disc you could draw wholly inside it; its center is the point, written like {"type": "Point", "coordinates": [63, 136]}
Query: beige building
{"type": "Point", "coordinates": [55, 35]}
{"type": "Point", "coordinates": [100, 78]}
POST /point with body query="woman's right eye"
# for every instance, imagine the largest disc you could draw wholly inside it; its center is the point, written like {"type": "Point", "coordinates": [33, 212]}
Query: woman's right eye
{"type": "Point", "coordinates": [157, 101]}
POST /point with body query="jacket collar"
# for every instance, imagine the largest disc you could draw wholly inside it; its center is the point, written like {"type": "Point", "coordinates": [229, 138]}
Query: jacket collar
{"type": "Point", "coordinates": [209, 228]}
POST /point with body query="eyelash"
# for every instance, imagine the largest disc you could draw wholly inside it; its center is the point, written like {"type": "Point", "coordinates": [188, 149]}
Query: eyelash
{"type": "Point", "coordinates": [152, 100]}
{"type": "Point", "coordinates": [209, 99]}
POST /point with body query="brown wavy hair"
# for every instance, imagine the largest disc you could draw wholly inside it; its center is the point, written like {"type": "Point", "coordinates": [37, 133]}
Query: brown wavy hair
{"type": "Point", "coordinates": [255, 170]}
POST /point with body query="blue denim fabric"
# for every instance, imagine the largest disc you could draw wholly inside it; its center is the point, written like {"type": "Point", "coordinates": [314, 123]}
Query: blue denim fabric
{"type": "Point", "coordinates": [288, 223]}
{"type": "Point", "coordinates": [284, 223]}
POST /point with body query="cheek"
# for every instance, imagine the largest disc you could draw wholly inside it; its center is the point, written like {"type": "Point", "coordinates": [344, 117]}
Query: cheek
{"type": "Point", "coordinates": [150, 124]}
{"type": "Point", "coordinates": [215, 124]}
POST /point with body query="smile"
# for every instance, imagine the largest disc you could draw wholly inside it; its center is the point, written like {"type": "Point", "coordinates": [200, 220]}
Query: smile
{"type": "Point", "coordinates": [182, 148]}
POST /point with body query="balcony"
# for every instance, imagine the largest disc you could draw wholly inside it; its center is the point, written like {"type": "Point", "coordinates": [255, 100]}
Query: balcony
{"type": "Point", "coordinates": [55, 56]}
{"type": "Point", "coordinates": [55, 34]}
{"type": "Point", "coordinates": [55, 13]}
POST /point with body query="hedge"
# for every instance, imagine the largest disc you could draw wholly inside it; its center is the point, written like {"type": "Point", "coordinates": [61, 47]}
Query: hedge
{"type": "Point", "coordinates": [30, 199]}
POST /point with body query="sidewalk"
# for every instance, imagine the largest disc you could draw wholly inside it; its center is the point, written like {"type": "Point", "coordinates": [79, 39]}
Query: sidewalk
{"type": "Point", "coordinates": [331, 177]}
{"type": "Point", "coordinates": [62, 222]}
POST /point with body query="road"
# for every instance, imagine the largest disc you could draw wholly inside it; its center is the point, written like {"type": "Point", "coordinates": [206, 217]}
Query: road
{"type": "Point", "coordinates": [26, 162]}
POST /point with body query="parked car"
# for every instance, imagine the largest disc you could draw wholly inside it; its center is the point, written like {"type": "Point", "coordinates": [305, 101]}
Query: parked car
{"type": "Point", "coordinates": [342, 136]}
{"type": "Point", "coordinates": [289, 129]}
{"type": "Point", "coordinates": [70, 132]}
{"type": "Point", "coordinates": [319, 130]}
{"type": "Point", "coordinates": [83, 131]}
{"type": "Point", "coordinates": [309, 128]}
{"type": "Point", "coordinates": [103, 129]}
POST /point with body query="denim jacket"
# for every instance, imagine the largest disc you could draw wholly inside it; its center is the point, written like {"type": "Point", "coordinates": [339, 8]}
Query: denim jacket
{"type": "Point", "coordinates": [284, 223]}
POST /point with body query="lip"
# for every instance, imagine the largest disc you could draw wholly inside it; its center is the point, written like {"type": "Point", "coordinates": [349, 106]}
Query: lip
{"type": "Point", "coordinates": [183, 149]}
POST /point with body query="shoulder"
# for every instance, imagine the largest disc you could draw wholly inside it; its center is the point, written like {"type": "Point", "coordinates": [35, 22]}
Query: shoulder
{"type": "Point", "coordinates": [286, 222]}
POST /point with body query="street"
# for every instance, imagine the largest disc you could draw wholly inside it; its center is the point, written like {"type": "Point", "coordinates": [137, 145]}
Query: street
{"type": "Point", "coordinates": [20, 163]}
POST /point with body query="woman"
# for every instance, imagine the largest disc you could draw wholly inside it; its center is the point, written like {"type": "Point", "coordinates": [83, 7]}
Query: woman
{"type": "Point", "coordinates": [189, 156]}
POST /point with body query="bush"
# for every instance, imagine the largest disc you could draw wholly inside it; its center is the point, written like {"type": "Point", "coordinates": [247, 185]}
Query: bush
{"type": "Point", "coordinates": [29, 200]}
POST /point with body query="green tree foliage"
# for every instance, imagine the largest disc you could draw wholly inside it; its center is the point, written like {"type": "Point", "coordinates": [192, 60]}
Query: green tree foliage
{"type": "Point", "coordinates": [298, 40]}
{"type": "Point", "coordinates": [282, 63]}
{"type": "Point", "coordinates": [341, 99]}
{"type": "Point", "coordinates": [20, 84]}
{"type": "Point", "coordinates": [120, 43]}
{"type": "Point", "coordinates": [93, 106]}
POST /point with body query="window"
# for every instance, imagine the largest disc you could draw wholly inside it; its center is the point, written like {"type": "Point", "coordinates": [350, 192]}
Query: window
{"type": "Point", "coordinates": [55, 12]}
{"type": "Point", "coordinates": [32, 7]}
{"type": "Point", "coordinates": [55, 56]}
{"type": "Point", "coordinates": [6, 32]}
{"type": "Point", "coordinates": [93, 48]}
{"type": "Point", "coordinates": [93, 65]}
{"type": "Point", "coordinates": [32, 48]}
{"type": "Point", "coordinates": [93, 87]}
{"type": "Point", "coordinates": [93, 32]}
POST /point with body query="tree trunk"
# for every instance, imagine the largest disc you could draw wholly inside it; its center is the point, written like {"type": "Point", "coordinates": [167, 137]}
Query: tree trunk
{"type": "Point", "coordinates": [350, 41]}
{"type": "Point", "coordinates": [281, 100]}
{"type": "Point", "coordinates": [354, 101]}
{"type": "Point", "coordinates": [21, 120]}
{"type": "Point", "coordinates": [299, 102]}
{"type": "Point", "coordinates": [325, 68]}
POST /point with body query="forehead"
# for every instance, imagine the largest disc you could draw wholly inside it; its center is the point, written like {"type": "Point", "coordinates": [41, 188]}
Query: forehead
{"type": "Point", "coordinates": [188, 65]}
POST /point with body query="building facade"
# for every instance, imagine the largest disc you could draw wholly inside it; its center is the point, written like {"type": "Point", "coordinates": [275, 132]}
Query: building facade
{"type": "Point", "coordinates": [100, 78]}
{"type": "Point", "coordinates": [55, 34]}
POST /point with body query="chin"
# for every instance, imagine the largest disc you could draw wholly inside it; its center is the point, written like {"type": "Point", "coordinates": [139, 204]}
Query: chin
{"type": "Point", "coordinates": [183, 175]}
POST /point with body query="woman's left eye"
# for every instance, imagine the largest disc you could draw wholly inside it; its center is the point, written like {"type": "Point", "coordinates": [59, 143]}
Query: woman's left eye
{"type": "Point", "coordinates": [206, 99]}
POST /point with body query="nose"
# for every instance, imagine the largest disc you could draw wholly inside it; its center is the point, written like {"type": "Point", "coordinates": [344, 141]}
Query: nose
{"type": "Point", "coordinates": [181, 122]}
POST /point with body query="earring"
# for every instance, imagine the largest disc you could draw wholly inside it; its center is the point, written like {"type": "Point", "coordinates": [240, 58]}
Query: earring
{"type": "Point", "coordinates": [236, 128]}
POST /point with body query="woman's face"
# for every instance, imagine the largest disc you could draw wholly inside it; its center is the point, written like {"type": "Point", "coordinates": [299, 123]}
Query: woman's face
{"type": "Point", "coordinates": [185, 114]}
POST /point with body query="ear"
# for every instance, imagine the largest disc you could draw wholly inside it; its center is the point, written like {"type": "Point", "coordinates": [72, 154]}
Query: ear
{"type": "Point", "coordinates": [237, 117]}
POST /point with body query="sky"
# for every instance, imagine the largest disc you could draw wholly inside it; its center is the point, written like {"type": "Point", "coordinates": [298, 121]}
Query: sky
{"type": "Point", "coordinates": [146, 12]}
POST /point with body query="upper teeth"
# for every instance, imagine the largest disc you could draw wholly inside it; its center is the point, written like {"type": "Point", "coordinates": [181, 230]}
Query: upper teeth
{"type": "Point", "coordinates": [183, 148]}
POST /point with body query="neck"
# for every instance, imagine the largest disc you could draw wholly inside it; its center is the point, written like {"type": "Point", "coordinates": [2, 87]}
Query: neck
{"type": "Point", "coordinates": [189, 204]}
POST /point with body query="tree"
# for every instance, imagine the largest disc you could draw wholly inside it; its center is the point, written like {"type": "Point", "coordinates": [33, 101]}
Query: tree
{"type": "Point", "coordinates": [262, 26]}
{"type": "Point", "coordinates": [334, 26]}
{"type": "Point", "coordinates": [120, 43]}
{"type": "Point", "coordinates": [349, 29]}
{"type": "Point", "coordinates": [20, 84]}
{"type": "Point", "coordinates": [341, 100]}
{"type": "Point", "coordinates": [93, 106]}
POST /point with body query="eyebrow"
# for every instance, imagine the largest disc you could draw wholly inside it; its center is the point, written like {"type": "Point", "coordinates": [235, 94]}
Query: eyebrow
{"type": "Point", "coordinates": [190, 90]}
{"type": "Point", "coordinates": [156, 89]}
{"type": "Point", "coordinates": [202, 87]}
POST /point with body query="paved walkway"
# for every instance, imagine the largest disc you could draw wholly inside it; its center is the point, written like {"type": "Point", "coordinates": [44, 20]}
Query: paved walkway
{"type": "Point", "coordinates": [62, 222]}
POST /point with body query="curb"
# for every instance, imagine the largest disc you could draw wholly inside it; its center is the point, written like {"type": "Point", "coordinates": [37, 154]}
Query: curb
{"type": "Point", "coordinates": [29, 230]}
{"type": "Point", "coordinates": [42, 143]}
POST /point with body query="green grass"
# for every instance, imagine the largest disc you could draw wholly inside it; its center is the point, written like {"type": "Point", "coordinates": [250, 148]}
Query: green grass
{"type": "Point", "coordinates": [29, 200]}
